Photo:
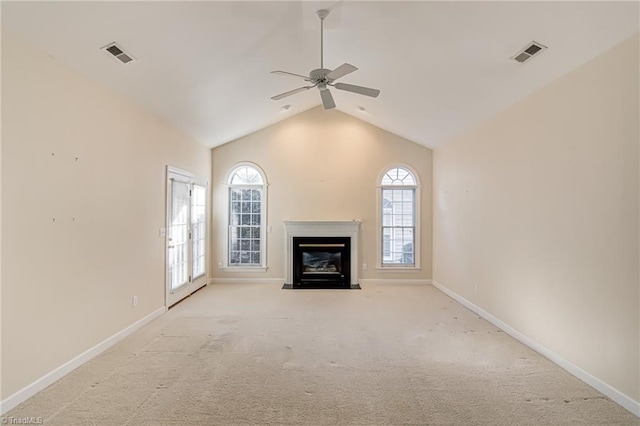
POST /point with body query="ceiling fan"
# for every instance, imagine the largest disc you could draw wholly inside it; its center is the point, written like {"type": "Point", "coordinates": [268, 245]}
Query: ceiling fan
{"type": "Point", "coordinates": [323, 78]}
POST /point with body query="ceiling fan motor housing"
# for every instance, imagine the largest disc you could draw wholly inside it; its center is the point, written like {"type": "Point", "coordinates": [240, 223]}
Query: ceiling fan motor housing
{"type": "Point", "coordinates": [319, 75]}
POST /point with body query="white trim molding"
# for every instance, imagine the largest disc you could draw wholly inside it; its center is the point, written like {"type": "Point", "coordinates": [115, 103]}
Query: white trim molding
{"type": "Point", "coordinates": [214, 281]}
{"type": "Point", "coordinates": [394, 269]}
{"type": "Point", "coordinates": [187, 174]}
{"type": "Point", "coordinates": [325, 228]}
{"type": "Point", "coordinates": [55, 375]}
{"type": "Point", "coordinates": [244, 269]}
{"type": "Point", "coordinates": [615, 395]}
{"type": "Point", "coordinates": [399, 281]}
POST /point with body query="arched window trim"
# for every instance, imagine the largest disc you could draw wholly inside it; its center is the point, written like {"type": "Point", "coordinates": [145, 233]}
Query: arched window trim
{"type": "Point", "coordinates": [236, 166]}
{"type": "Point", "coordinates": [226, 265]}
{"type": "Point", "coordinates": [395, 166]}
{"type": "Point", "coordinates": [417, 219]}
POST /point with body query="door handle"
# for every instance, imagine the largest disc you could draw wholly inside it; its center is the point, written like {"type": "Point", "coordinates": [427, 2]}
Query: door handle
{"type": "Point", "coordinates": [171, 246]}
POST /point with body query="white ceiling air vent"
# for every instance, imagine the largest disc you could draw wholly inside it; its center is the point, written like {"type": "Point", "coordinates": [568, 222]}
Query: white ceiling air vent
{"type": "Point", "coordinates": [118, 52]}
{"type": "Point", "coordinates": [528, 52]}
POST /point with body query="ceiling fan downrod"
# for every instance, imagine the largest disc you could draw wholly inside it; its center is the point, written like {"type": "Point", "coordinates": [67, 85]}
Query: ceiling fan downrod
{"type": "Point", "coordinates": [322, 13]}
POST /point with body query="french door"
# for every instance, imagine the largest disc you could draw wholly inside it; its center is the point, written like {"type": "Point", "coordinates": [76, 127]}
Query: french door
{"type": "Point", "coordinates": [186, 234]}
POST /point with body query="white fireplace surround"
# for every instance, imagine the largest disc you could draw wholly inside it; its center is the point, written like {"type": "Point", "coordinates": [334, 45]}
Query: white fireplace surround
{"type": "Point", "coordinates": [304, 228]}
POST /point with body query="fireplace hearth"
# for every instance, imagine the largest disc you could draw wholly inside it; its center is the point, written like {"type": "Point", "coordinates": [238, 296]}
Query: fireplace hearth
{"type": "Point", "coordinates": [321, 262]}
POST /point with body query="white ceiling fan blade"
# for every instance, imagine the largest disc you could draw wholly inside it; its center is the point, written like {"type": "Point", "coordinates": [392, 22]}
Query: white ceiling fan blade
{"type": "Point", "coordinates": [291, 92]}
{"type": "Point", "coordinates": [358, 89]}
{"type": "Point", "coordinates": [341, 71]}
{"type": "Point", "coordinates": [290, 74]}
{"type": "Point", "coordinates": [327, 99]}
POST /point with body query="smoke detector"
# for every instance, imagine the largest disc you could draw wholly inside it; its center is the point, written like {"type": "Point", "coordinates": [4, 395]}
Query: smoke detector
{"type": "Point", "coordinates": [116, 51]}
{"type": "Point", "coordinates": [532, 49]}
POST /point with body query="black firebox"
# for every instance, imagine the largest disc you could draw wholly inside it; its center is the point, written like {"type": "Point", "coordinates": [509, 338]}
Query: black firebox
{"type": "Point", "coordinates": [321, 262]}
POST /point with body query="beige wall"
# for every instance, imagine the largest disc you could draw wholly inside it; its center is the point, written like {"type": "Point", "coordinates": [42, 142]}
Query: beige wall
{"type": "Point", "coordinates": [68, 285]}
{"type": "Point", "coordinates": [321, 165]}
{"type": "Point", "coordinates": [539, 208]}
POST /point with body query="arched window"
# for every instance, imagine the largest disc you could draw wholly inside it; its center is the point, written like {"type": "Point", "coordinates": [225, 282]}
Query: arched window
{"type": "Point", "coordinates": [245, 175]}
{"type": "Point", "coordinates": [247, 217]}
{"type": "Point", "coordinates": [398, 176]}
{"type": "Point", "coordinates": [398, 221]}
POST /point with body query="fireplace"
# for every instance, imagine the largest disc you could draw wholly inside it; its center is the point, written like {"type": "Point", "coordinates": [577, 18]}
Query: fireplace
{"type": "Point", "coordinates": [321, 262]}
{"type": "Point", "coordinates": [318, 233]}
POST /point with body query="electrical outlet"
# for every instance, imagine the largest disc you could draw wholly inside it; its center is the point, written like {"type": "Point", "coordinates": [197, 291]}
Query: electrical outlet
{"type": "Point", "coordinates": [476, 287]}
{"type": "Point", "coordinates": [134, 302]}
{"type": "Point", "coordinates": [364, 266]}
{"type": "Point", "coordinates": [435, 267]}
{"type": "Point", "coordinates": [219, 265]}
{"type": "Point", "coordinates": [163, 232]}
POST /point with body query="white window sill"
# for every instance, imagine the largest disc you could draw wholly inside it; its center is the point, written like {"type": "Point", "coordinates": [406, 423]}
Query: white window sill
{"type": "Point", "coordinates": [244, 269]}
{"type": "Point", "coordinates": [398, 268]}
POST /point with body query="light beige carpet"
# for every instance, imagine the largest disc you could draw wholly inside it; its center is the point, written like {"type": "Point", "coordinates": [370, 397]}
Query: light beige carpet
{"type": "Point", "coordinates": [386, 355]}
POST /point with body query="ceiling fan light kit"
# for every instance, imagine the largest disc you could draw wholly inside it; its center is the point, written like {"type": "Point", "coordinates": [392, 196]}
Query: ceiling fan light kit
{"type": "Point", "coordinates": [323, 78]}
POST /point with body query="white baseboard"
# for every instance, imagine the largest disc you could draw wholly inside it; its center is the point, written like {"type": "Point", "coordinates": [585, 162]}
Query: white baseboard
{"type": "Point", "coordinates": [365, 281]}
{"type": "Point", "coordinates": [246, 280]}
{"type": "Point", "coordinates": [280, 281]}
{"type": "Point", "coordinates": [615, 395]}
{"type": "Point", "coordinates": [51, 377]}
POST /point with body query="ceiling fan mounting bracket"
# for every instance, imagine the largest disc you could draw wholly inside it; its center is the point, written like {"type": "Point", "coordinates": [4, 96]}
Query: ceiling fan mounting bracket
{"type": "Point", "coordinates": [322, 13]}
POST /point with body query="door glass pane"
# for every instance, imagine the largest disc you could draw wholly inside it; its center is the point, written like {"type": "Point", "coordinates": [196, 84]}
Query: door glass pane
{"type": "Point", "coordinates": [178, 234]}
{"type": "Point", "coordinates": [198, 217]}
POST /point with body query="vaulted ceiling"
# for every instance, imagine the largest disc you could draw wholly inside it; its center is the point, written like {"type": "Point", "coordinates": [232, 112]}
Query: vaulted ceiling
{"type": "Point", "coordinates": [205, 66]}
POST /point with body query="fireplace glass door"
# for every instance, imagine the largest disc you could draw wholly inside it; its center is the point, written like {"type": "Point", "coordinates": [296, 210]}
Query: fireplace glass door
{"type": "Point", "coordinates": [321, 260]}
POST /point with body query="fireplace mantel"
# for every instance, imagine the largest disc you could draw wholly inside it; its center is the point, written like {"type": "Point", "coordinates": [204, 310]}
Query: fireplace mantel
{"type": "Point", "coordinates": [306, 228]}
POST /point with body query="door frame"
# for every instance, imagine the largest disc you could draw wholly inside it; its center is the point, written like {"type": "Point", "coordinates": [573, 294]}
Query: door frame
{"type": "Point", "coordinates": [174, 296]}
